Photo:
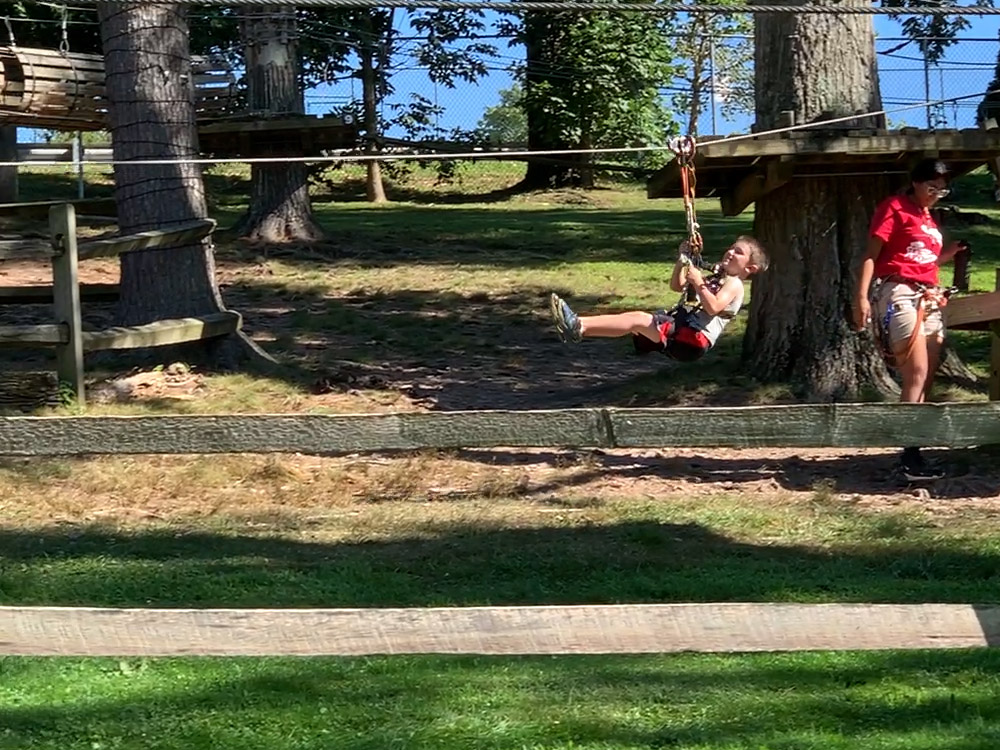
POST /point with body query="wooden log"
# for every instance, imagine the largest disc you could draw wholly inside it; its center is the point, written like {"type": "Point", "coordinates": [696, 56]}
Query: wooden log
{"type": "Point", "coordinates": [164, 332]}
{"type": "Point", "coordinates": [26, 391]}
{"type": "Point", "coordinates": [578, 629]}
{"type": "Point", "coordinates": [40, 335]}
{"type": "Point", "coordinates": [40, 209]}
{"type": "Point", "coordinates": [66, 299]}
{"type": "Point", "coordinates": [26, 249]}
{"type": "Point", "coordinates": [807, 425]}
{"type": "Point", "coordinates": [181, 234]}
{"type": "Point", "coordinates": [41, 294]}
{"type": "Point", "coordinates": [300, 433]}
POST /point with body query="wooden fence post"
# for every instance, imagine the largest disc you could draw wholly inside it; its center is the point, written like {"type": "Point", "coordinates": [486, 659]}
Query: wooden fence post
{"type": "Point", "coordinates": [66, 298]}
{"type": "Point", "coordinates": [995, 352]}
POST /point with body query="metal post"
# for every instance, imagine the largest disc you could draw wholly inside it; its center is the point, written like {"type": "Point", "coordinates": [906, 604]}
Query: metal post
{"type": "Point", "coordinates": [927, 90]}
{"type": "Point", "coordinates": [78, 161]}
{"type": "Point", "coordinates": [711, 71]}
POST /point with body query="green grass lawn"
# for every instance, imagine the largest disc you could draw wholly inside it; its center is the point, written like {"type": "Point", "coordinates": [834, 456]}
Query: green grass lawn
{"type": "Point", "coordinates": [418, 281]}
{"type": "Point", "coordinates": [507, 551]}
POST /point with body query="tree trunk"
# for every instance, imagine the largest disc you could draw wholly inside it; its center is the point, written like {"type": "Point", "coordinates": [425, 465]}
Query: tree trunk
{"type": "Point", "coordinates": [151, 111]}
{"type": "Point", "coordinates": [280, 210]}
{"type": "Point", "coordinates": [374, 187]}
{"type": "Point", "coordinates": [815, 228]}
{"type": "Point", "coordinates": [8, 175]}
{"type": "Point", "coordinates": [541, 43]}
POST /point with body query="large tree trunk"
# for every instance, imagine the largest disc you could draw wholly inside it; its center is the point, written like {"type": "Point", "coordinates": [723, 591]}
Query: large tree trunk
{"type": "Point", "coordinates": [374, 187]}
{"type": "Point", "coordinates": [815, 228]}
{"type": "Point", "coordinates": [8, 175]}
{"type": "Point", "coordinates": [280, 210]}
{"type": "Point", "coordinates": [151, 111]}
{"type": "Point", "coordinates": [542, 73]}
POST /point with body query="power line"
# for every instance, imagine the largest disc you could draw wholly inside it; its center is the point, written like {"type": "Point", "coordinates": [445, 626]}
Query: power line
{"type": "Point", "coordinates": [519, 6]}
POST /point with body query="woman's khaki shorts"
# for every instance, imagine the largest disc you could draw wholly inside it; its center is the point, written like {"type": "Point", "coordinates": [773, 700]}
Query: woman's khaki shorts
{"type": "Point", "coordinates": [894, 306]}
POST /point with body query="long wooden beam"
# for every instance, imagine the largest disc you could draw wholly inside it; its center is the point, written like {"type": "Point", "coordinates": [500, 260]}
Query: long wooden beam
{"type": "Point", "coordinates": [578, 629]}
{"type": "Point", "coordinates": [157, 238]}
{"type": "Point", "coordinates": [974, 309]}
{"type": "Point", "coordinates": [40, 294]}
{"type": "Point", "coordinates": [163, 332]}
{"type": "Point", "coordinates": [801, 425]}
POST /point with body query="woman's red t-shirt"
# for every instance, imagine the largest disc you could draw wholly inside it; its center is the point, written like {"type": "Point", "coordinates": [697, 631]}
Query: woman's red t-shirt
{"type": "Point", "coordinates": [911, 240]}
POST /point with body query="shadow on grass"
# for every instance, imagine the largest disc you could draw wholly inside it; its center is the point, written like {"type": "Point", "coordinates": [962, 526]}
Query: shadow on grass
{"type": "Point", "coordinates": [460, 564]}
{"type": "Point", "coordinates": [916, 699]}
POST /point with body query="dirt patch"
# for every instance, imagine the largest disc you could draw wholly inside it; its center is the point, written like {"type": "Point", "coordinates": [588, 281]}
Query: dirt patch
{"type": "Point", "coordinates": [173, 382]}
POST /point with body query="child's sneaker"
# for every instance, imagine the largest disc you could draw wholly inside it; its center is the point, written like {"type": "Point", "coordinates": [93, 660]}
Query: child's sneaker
{"type": "Point", "coordinates": [567, 323]}
{"type": "Point", "coordinates": [915, 468]}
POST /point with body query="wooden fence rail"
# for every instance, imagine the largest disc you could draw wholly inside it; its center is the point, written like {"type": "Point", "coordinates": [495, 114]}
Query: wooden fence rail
{"type": "Point", "coordinates": [576, 629]}
{"type": "Point", "coordinates": [798, 425]}
{"type": "Point", "coordinates": [67, 334]}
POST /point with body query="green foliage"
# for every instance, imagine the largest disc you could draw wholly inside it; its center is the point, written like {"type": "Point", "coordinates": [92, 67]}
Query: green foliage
{"type": "Point", "coordinates": [932, 34]}
{"type": "Point", "coordinates": [506, 122]}
{"type": "Point", "coordinates": [702, 47]}
{"type": "Point", "coordinates": [585, 84]}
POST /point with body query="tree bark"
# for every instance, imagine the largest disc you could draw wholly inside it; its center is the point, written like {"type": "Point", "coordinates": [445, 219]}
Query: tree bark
{"type": "Point", "coordinates": [815, 228]}
{"type": "Point", "coordinates": [8, 175]}
{"type": "Point", "coordinates": [280, 210]}
{"type": "Point", "coordinates": [151, 111]}
{"type": "Point", "coordinates": [374, 187]}
{"type": "Point", "coordinates": [541, 43]}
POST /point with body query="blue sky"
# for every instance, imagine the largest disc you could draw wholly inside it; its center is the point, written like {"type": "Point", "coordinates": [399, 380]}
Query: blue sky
{"type": "Point", "coordinates": [966, 69]}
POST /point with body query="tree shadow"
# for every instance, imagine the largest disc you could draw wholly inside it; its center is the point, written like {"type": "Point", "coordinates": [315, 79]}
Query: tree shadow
{"type": "Point", "coordinates": [972, 472]}
{"type": "Point", "coordinates": [458, 563]}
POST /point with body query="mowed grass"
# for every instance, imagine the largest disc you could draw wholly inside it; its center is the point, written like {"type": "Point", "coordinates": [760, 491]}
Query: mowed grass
{"type": "Point", "coordinates": [435, 277]}
{"type": "Point", "coordinates": [567, 548]}
{"type": "Point", "coordinates": [459, 274]}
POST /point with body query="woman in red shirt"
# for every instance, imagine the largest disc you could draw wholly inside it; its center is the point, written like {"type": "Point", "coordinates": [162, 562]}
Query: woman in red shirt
{"type": "Point", "coordinates": [903, 255]}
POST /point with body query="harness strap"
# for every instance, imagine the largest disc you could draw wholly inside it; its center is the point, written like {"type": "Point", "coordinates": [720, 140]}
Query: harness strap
{"type": "Point", "coordinates": [927, 295]}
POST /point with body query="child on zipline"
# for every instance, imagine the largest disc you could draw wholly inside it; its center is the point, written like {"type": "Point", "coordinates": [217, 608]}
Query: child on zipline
{"type": "Point", "coordinates": [686, 332]}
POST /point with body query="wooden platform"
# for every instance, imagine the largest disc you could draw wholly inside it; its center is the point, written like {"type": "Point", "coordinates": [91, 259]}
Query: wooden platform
{"type": "Point", "coordinates": [739, 172]}
{"type": "Point", "coordinates": [307, 135]}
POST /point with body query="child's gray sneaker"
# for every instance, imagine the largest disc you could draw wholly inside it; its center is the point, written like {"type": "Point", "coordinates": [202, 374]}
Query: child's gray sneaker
{"type": "Point", "coordinates": [567, 323]}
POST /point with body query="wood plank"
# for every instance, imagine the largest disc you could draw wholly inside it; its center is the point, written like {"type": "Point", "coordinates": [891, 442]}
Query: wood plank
{"type": "Point", "coordinates": [973, 308]}
{"type": "Point", "coordinates": [66, 299]}
{"type": "Point", "coordinates": [41, 294]}
{"type": "Point", "coordinates": [188, 233]}
{"type": "Point", "coordinates": [954, 425]}
{"type": "Point", "coordinates": [299, 433]}
{"type": "Point", "coordinates": [766, 178]}
{"type": "Point", "coordinates": [26, 249]}
{"type": "Point", "coordinates": [50, 334]}
{"type": "Point", "coordinates": [163, 332]}
{"type": "Point", "coordinates": [575, 629]}
{"type": "Point", "coordinates": [40, 209]}
{"type": "Point", "coordinates": [810, 425]}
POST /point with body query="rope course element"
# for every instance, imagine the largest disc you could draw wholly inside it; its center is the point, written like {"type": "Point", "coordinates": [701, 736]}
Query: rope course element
{"type": "Point", "coordinates": [632, 7]}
